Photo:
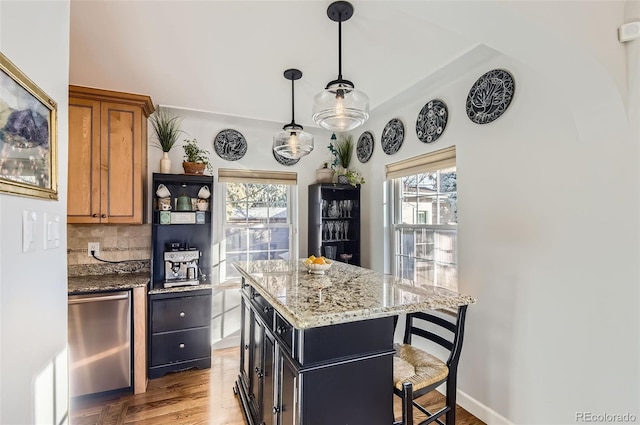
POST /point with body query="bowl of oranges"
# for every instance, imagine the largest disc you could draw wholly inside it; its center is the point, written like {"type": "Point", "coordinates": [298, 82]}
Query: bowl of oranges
{"type": "Point", "coordinates": [317, 265]}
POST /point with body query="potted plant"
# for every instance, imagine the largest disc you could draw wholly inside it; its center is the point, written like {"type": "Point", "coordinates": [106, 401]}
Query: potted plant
{"type": "Point", "coordinates": [342, 151]}
{"type": "Point", "coordinates": [196, 160]}
{"type": "Point", "coordinates": [324, 174]}
{"type": "Point", "coordinates": [166, 127]}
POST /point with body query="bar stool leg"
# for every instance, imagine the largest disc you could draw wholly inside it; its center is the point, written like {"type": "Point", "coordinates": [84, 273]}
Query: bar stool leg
{"type": "Point", "coordinates": [407, 404]}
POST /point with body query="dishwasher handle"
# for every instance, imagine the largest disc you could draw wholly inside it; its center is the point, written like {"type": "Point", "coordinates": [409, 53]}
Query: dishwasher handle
{"type": "Point", "coordinates": [83, 300]}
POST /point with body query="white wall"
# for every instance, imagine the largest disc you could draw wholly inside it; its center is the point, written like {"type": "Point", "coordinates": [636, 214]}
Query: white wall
{"type": "Point", "coordinates": [548, 215]}
{"type": "Point", "coordinates": [33, 286]}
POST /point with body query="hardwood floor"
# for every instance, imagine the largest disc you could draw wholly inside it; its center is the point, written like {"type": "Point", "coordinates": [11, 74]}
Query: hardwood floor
{"type": "Point", "coordinates": [194, 397]}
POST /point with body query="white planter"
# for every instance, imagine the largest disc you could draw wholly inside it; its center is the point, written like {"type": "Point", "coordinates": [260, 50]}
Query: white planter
{"type": "Point", "coordinates": [324, 175]}
{"type": "Point", "coordinates": [165, 163]}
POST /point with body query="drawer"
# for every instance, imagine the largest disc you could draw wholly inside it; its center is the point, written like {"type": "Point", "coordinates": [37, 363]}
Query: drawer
{"type": "Point", "coordinates": [285, 332]}
{"type": "Point", "coordinates": [263, 307]}
{"type": "Point", "coordinates": [180, 313]}
{"type": "Point", "coordinates": [179, 346]}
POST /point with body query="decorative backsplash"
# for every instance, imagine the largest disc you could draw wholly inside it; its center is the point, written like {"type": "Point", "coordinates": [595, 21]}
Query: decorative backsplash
{"type": "Point", "coordinates": [117, 243]}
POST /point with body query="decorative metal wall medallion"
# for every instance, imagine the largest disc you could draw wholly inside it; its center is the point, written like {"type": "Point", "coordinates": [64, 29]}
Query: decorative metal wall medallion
{"type": "Point", "coordinates": [432, 121]}
{"type": "Point", "coordinates": [284, 160]}
{"type": "Point", "coordinates": [392, 136]}
{"type": "Point", "coordinates": [490, 96]}
{"type": "Point", "coordinates": [364, 148]}
{"type": "Point", "coordinates": [230, 145]}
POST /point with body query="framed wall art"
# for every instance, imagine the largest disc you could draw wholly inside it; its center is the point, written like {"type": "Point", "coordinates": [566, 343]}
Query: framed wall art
{"type": "Point", "coordinates": [28, 136]}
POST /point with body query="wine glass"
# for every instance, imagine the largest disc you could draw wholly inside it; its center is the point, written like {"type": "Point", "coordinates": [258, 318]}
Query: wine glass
{"type": "Point", "coordinates": [330, 225]}
{"type": "Point", "coordinates": [346, 257]}
{"type": "Point", "coordinates": [338, 230]}
{"type": "Point", "coordinates": [346, 230]}
{"type": "Point", "coordinates": [349, 206]}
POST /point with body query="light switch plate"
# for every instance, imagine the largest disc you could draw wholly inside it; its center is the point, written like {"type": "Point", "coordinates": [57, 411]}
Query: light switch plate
{"type": "Point", "coordinates": [51, 230]}
{"type": "Point", "coordinates": [29, 230]}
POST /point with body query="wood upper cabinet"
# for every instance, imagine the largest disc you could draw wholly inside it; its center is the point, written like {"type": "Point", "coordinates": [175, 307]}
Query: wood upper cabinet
{"type": "Point", "coordinates": [107, 156]}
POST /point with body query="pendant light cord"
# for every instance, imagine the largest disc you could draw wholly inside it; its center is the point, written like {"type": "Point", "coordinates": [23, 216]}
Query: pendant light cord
{"type": "Point", "coordinates": [340, 50]}
{"type": "Point", "coordinates": [293, 109]}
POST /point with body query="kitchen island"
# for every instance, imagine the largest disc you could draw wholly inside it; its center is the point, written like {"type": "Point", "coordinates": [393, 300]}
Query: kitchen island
{"type": "Point", "coordinates": [318, 349]}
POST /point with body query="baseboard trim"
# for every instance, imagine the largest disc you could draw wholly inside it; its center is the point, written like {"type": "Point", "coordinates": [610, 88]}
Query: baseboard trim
{"type": "Point", "coordinates": [480, 411]}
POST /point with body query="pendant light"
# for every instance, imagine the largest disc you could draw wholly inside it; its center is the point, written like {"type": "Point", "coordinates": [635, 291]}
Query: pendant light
{"type": "Point", "coordinates": [293, 142]}
{"type": "Point", "coordinates": [340, 107]}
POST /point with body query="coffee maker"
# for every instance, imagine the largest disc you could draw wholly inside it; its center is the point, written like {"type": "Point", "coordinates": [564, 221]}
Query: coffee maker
{"type": "Point", "coordinates": [181, 267]}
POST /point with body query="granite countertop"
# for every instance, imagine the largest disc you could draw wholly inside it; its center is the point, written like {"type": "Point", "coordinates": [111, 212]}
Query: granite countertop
{"type": "Point", "coordinates": [106, 282]}
{"type": "Point", "coordinates": [345, 293]}
{"type": "Point", "coordinates": [176, 289]}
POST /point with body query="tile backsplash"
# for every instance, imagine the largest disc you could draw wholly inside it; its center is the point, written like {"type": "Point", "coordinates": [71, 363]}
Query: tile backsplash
{"type": "Point", "coordinates": [117, 242]}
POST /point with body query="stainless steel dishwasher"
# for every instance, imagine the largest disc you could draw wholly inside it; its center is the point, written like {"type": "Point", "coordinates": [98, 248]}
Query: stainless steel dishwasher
{"type": "Point", "coordinates": [99, 337]}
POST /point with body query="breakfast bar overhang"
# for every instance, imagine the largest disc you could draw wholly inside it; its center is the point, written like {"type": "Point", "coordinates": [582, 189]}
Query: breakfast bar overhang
{"type": "Point", "coordinates": [318, 349]}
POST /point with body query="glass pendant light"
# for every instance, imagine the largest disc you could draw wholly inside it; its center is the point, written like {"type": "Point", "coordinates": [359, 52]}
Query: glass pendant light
{"type": "Point", "coordinates": [292, 142]}
{"type": "Point", "coordinates": [340, 107]}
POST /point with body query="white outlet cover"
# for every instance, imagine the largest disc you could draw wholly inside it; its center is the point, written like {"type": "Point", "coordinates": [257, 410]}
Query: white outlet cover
{"type": "Point", "coordinates": [51, 230]}
{"type": "Point", "coordinates": [29, 230]}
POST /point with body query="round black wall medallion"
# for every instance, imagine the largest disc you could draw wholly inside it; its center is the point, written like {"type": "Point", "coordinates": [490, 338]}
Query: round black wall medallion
{"type": "Point", "coordinates": [432, 121]}
{"type": "Point", "coordinates": [283, 160]}
{"type": "Point", "coordinates": [364, 148]}
{"type": "Point", "coordinates": [230, 145]}
{"type": "Point", "coordinates": [490, 96]}
{"type": "Point", "coordinates": [392, 136]}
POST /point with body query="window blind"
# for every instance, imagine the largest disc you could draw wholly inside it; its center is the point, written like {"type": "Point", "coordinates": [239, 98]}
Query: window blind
{"type": "Point", "coordinates": [229, 175]}
{"type": "Point", "coordinates": [432, 161]}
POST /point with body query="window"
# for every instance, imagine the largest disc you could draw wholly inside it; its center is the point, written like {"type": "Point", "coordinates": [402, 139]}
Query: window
{"type": "Point", "coordinates": [424, 199]}
{"type": "Point", "coordinates": [258, 221]}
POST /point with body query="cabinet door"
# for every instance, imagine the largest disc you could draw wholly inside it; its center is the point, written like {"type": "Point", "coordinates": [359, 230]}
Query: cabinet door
{"type": "Point", "coordinates": [83, 194]}
{"type": "Point", "coordinates": [269, 408]}
{"type": "Point", "coordinates": [257, 372]}
{"type": "Point", "coordinates": [121, 163]}
{"type": "Point", "coordinates": [246, 341]}
{"type": "Point", "coordinates": [288, 393]}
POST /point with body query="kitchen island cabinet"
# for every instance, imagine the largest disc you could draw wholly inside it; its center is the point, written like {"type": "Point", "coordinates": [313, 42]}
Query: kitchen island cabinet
{"type": "Point", "coordinates": [318, 349]}
{"type": "Point", "coordinates": [137, 283]}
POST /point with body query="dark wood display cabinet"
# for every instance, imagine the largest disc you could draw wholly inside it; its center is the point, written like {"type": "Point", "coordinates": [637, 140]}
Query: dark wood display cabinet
{"type": "Point", "coordinates": [180, 296]}
{"type": "Point", "coordinates": [334, 222]}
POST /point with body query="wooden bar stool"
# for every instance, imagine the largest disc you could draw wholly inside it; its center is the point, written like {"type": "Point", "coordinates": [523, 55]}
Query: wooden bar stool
{"type": "Point", "coordinates": [416, 372]}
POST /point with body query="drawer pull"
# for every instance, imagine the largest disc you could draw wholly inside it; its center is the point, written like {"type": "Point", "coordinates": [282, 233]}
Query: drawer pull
{"type": "Point", "coordinates": [182, 314]}
{"type": "Point", "coordinates": [267, 309]}
{"type": "Point", "coordinates": [259, 373]}
{"type": "Point", "coordinates": [276, 409]}
{"type": "Point", "coordinates": [254, 295]}
{"type": "Point", "coordinates": [280, 330]}
{"type": "Point", "coordinates": [257, 369]}
{"type": "Point", "coordinates": [246, 346]}
{"type": "Point", "coordinates": [181, 345]}
{"type": "Point", "coordinates": [245, 285]}
{"type": "Point", "coordinates": [103, 215]}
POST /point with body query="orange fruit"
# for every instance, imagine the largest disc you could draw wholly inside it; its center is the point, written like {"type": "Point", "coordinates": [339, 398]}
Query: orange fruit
{"type": "Point", "coordinates": [319, 261]}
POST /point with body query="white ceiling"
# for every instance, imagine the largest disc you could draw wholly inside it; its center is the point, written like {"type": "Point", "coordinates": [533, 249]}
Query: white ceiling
{"type": "Point", "coordinates": [228, 57]}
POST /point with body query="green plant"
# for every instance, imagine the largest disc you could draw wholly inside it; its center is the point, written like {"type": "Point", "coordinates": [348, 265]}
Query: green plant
{"type": "Point", "coordinates": [193, 153]}
{"type": "Point", "coordinates": [354, 177]}
{"type": "Point", "coordinates": [342, 151]}
{"type": "Point", "coordinates": [166, 126]}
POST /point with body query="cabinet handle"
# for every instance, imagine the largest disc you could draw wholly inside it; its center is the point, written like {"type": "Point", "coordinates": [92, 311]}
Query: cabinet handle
{"type": "Point", "coordinates": [257, 369]}
{"type": "Point", "coordinates": [246, 346]}
{"type": "Point", "coordinates": [276, 409]}
{"type": "Point", "coordinates": [181, 345]}
{"type": "Point", "coordinates": [94, 215]}
{"type": "Point", "coordinates": [280, 330]}
{"type": "Point", "coordinates": [267, 309]}
{"type": "Point", "coordinates": [182, 314]}
{"type": "Point", "coordinates": [254, 295]}
{"type": "Point", "coordinates": [103, 216]}
{"type": "Point", "coordinates": [245, 285]}
{"type": "Point", "coordinates": [260, 374]}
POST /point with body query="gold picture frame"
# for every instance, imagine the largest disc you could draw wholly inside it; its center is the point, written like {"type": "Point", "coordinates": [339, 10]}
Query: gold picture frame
{"type": "Point", "coordinates": [28, 136]}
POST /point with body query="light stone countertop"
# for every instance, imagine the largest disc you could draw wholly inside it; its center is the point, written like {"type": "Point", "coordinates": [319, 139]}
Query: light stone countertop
{"type": "Point", "coordinates": [345, 293]}
{"type": "Point", "coordinates": [106, 282]}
